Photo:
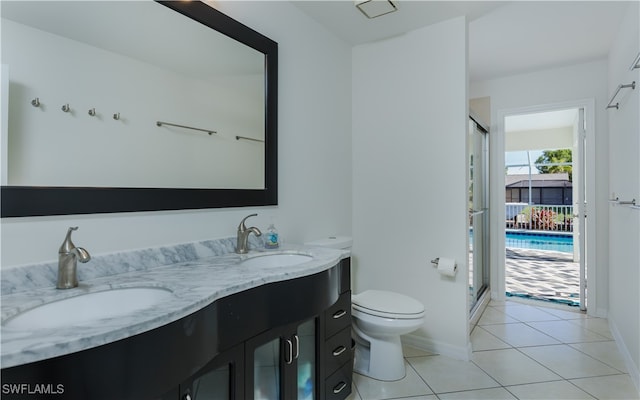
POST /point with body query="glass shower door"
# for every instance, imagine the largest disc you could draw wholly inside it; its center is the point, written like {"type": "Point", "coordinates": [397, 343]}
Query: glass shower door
{"type": "Point", "coordinates": [478, 190]}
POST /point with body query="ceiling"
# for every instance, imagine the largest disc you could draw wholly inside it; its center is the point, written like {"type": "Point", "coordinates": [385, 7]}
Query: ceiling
{"type": "Point", "coordinates": [541, 120]}
{"type": "Point", "coordinates": [505, 37]}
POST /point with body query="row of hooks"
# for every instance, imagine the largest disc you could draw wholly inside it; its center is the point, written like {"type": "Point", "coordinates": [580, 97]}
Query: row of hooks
{"type": "Point", "coordinates": [66, 108]}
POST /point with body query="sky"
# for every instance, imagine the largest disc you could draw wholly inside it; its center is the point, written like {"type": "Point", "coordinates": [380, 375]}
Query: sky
{"type": "Point", "coordinates": [520, 157]}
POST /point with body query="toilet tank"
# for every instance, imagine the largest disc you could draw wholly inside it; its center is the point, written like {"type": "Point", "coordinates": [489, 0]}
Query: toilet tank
{"type": "Point", "coordinates": [341, 243]}
{"type": "Point", "coordinates": [334, 242]}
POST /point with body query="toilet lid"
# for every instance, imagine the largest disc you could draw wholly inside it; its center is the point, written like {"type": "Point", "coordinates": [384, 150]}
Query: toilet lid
{"type": "Point", "coordinates": [379, 301]}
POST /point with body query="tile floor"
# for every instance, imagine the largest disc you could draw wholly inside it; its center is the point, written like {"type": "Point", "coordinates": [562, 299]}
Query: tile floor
{"type": "Point", "coordinates": [521, 351]}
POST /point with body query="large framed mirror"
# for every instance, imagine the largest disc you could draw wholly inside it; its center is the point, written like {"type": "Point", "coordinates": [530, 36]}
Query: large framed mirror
{"type": "Point", "coordinates": [135, 106]}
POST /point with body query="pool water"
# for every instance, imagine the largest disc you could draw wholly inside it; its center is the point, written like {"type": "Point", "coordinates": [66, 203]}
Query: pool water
{"type": "Point", "coordinates": [562, 243]}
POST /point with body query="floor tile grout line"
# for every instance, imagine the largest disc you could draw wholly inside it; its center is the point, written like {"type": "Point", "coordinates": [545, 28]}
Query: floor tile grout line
{"type": "Point", "coordinates": [532, 345]}
{"type": "Point", "coordinates": [355, 386]}
{"type": "Point", "coordinates": [517, 348]}
{"type": "Point", "coordinates": [568, 321]}
{"type": "Point", "coordinates": [420, 376]}
{"type": "Point", "coordinates": [568, 344]}
{"type": "Point", "coordinates": [580, 377]}
{"type": "Point", "coordinates": [541, 364]}
{"type": "Point", "coordinates": [584, 390]}
{"type": "Point", "coordinates": [597, 359]}
{"type": "Point", "coordinates": [590, 330]}
{"type": "Point", "coordinates": [455, 391]}
{"type": "Point", "coordinates": [511, 393]}
{"type": "Point", "coordinates": [508, 344]}
{"type": "Point", "coordinates": [544, 333]}
{"type": "Point", "coordinates": [501, 384]}
{"type": "Point", "coordinates": [563, 380]}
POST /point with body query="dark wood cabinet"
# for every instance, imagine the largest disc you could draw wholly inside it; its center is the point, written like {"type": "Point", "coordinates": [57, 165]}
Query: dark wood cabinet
{"type": "Point", "coordinates": [303, 360]}
{"type": "Point", "coordinates": [283, 340]}
{"type": "Point", "coordinates": [337, 349]}
{"type": "Point", "coordinates": [222, 378]}
{"type": "Point", "coordinates": [282, 363]}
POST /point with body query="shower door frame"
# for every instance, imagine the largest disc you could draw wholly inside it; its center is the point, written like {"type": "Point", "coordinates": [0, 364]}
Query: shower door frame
{"type": "Point", "coordinates": [481, 281]}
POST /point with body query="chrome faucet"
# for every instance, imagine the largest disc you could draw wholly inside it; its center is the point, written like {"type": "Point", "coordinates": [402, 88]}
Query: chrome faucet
{"type": "Point", "coordinates": [243, 235]}
{"type": "Point", "coordinates": [68, 257]}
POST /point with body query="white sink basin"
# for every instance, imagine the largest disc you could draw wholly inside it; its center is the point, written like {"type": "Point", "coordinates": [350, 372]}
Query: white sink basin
{"type": "Point", "coordinates": [85, 309]}
{"type": "Point", "coordinates": [276, 260]}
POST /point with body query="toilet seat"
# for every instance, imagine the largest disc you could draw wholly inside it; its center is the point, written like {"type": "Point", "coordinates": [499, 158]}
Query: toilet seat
{"type": "Point", "coordinates": [387, 305]}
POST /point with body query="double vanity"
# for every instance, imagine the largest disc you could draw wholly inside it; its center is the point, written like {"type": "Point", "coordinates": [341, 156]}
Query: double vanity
{"type": "Point", "coordinates": [183, 322]}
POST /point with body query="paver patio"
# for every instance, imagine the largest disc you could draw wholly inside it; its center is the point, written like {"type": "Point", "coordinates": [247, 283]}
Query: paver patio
{"type": "Point", "coordinates": [542, 275]}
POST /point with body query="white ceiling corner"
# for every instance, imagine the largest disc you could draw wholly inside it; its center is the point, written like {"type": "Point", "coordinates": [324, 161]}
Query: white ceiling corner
{"type": "Point", "coordinates": [505, 37]}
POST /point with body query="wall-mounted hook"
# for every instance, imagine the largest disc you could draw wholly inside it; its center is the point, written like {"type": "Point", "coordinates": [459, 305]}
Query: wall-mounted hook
{"type": "Point", "coordinates": [92, 112]}
{"type": "Point", "coordinates": [66, 108]}
{"type": "Point", "coordinates": [116, 116]}
{"type": "Point", "coordinates": [35, 102]}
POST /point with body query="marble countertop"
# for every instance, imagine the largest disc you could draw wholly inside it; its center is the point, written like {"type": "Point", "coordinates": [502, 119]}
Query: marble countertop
{"type": "Point", "coordinates": [194, 284]}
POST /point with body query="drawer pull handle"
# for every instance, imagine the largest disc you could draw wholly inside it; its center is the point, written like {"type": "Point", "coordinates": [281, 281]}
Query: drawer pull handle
{"type": "Point", "coordinates": [339, 387]}
{"type": "Point", "coordinates": [339, 350]}
{"type": "Point", "coordinates": [339, 314]}
{"type": "Point", "coordinates": [288, 355]}
{"type": "Point", "coordinates": [297, 346]}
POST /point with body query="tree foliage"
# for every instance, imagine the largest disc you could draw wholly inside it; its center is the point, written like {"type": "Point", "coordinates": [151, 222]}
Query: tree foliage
{"type": "Point", "coordinates": [554, 157]}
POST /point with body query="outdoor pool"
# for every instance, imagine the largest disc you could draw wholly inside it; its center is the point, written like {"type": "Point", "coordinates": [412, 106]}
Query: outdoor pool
{"type": "Point", "coordinates": [563, 243]}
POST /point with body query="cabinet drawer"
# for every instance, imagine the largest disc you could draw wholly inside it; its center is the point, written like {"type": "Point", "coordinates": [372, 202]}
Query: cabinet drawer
{"type": "Point", "coordinates": [338, 385]}
{"type": "Point", "coordinates": [338, 350]}
{"type": "Point", "coordinates": [338, 316]}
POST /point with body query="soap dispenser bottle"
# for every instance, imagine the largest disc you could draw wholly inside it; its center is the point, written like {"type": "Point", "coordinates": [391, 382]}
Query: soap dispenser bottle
{"type": "Point", "coordinates": [273, 240]}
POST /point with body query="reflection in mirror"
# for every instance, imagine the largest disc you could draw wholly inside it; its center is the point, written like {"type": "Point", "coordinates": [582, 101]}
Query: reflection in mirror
{"type": "Point", "coordinates": [139, 99]}
{"type": "Point", "coordinates": [67, 53]}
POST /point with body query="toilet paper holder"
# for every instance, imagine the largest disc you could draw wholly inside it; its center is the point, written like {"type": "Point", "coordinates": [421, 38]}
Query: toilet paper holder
{"type": "Point", "coordinates": [448, 267]}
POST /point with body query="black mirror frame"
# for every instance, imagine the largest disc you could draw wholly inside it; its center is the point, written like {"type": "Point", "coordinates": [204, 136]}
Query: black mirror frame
{"type": "Point", "coordinates": [25, 201]}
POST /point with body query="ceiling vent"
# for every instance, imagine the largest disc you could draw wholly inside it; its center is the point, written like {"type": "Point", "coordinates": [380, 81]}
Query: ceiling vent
{"type": "Point", "coordinates": [376, 8]}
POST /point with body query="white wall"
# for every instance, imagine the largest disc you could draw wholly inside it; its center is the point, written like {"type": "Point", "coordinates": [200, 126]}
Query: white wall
{"type": "Point", "coordinates": [482, 108]}
{"type": "Point", "coordinates": [314, 157]}
{"type": "Point", "coordinates": [410, 118]}
{"type": "Point", "coordinates": [582, 83]}
{"type": "Point", "coordinates": [624, 181]}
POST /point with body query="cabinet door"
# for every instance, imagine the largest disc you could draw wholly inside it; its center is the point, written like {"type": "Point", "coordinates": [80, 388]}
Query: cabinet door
{"type": "Point", "coordinates": [264, 363]}
{"type": "Point", "coordinates": [221, 379]}
{"type": "Point", "coordinates": [282, 363]}
{"type": "Point", "coordinates": [306, 360]}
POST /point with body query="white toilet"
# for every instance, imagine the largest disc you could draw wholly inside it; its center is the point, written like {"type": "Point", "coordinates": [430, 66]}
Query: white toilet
{"type": "Point", "coordinates": [379, 318]}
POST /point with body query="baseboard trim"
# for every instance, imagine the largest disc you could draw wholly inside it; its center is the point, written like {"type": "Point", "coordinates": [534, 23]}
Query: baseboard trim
{"type": "Point", "coordinates": [432, 346]}
{"type": "Point", "coordinates": [632, 368]}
